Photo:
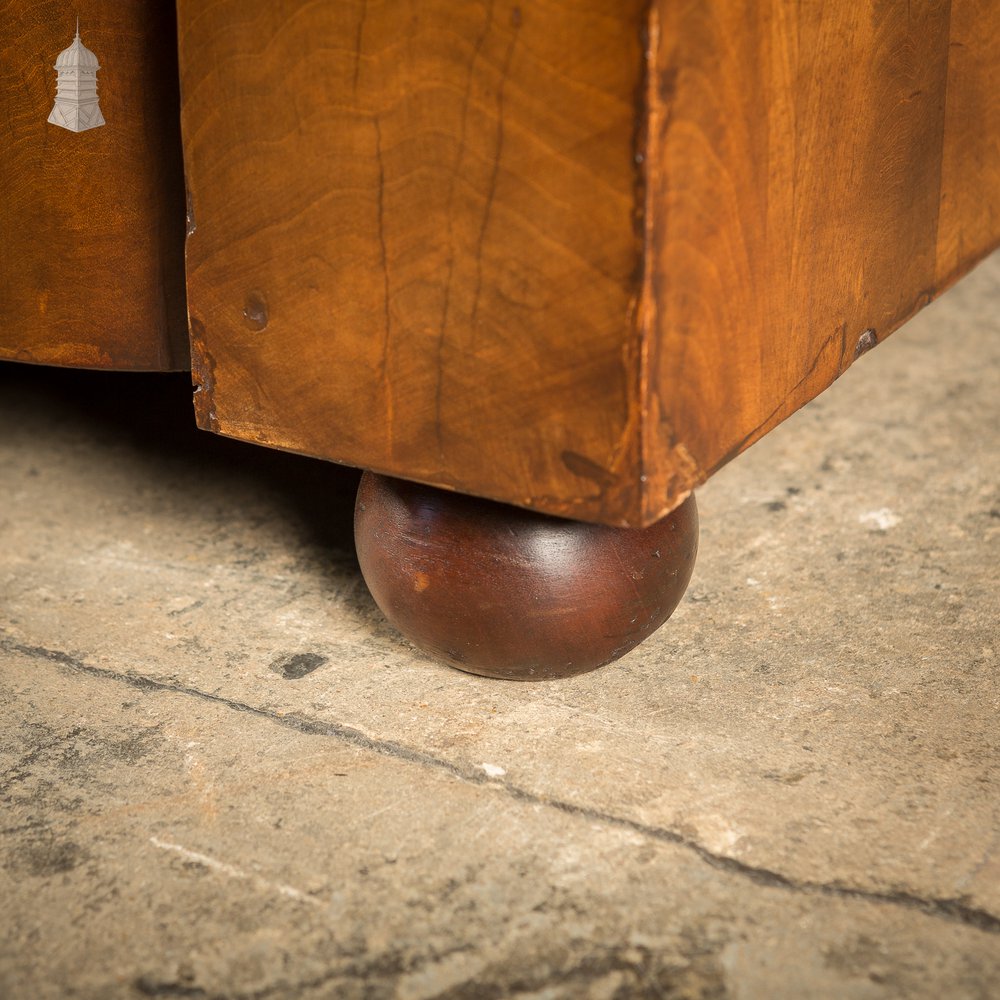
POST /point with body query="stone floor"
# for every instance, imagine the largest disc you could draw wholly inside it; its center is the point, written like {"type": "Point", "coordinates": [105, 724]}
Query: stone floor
{"type": "Point", "coordinates": [222, 775]}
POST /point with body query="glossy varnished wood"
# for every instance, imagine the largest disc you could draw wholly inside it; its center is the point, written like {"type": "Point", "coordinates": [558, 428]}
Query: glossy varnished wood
{"type": "Point", "coordinates": [571, 255]}
{"type": "Point", "coordinates": [506, 592]}
{"type": "Point", "coordinates": [92, 223]}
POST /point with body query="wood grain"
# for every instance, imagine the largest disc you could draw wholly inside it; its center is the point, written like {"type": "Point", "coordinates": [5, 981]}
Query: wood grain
{"type": "Point", "coordinates": [817, 173]}
{"type": "Point", "coordinates": [92, 223]}
{"type": "Point", "coordinates": [414, 247]}
{"type": "Point", "coordinates": [969, 218]}
{"type": "Point", "coordinates": [570, 254]}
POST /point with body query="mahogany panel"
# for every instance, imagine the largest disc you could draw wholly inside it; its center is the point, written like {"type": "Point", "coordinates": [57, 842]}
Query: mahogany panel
{"type": "Point", "coordinates": [413, 244]}
{"type": "Point", "coordinates": [969, 220]}
{"type": "Point", "coordinates": [816, 174]}
{"type": "Point", "coordinates": [92, 222]}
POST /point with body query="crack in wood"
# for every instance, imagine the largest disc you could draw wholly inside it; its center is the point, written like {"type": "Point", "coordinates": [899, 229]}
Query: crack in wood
{"type": "Point", "coordinates": [450, 208]}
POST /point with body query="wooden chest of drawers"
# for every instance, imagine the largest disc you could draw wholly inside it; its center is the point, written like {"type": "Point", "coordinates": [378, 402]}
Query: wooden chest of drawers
{"type": "Point", "coordinates": [568, 256]}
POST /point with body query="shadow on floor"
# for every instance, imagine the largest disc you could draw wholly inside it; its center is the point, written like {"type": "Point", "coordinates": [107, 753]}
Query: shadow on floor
{"type": "Point", "coordinates": [152, 415]}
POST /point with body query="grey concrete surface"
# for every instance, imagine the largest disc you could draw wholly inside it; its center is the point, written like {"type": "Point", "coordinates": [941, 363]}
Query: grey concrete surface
{"type": "Point", "coordinates": [222, 775]}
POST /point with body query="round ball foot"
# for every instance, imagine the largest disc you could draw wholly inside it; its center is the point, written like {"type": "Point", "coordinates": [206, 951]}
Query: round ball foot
{"type": "Point", "coordinates": [511, 593]}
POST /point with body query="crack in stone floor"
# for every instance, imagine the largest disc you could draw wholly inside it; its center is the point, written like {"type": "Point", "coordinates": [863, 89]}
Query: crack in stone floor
{"type": "Point", "coordinates": [955, 910]}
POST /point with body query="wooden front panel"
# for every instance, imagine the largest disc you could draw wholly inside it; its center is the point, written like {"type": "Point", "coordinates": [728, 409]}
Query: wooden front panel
{"type": "Point", "coordinates": [413, 244]}
{"type": "Point", "coordinates": [91, 222]}
{"type": "Point", "coordinates": [817, 173]}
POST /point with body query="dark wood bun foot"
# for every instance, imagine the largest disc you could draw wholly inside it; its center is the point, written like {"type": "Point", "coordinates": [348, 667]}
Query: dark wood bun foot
{"type": "Point", "coordinates": [510, 593]}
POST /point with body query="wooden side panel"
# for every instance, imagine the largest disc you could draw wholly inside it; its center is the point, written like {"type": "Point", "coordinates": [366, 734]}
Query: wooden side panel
{"type": "Point", "coordinates": [970, 171]}
{"type": "Point", "coordinates": [817, 172]}
{"type": "Point", "coordinates": [414, 246]}
{"type": "Point", "coordinates": [92, 222]}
